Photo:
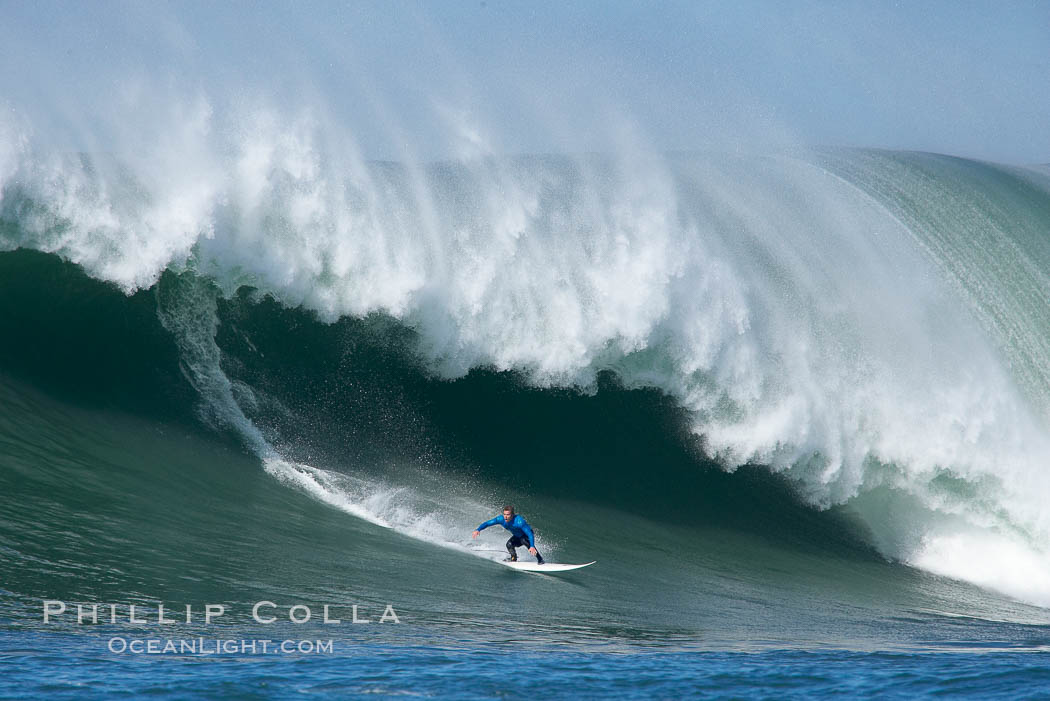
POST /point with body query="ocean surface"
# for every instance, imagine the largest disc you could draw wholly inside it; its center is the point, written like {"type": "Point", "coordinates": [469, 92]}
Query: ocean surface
{"type": "Point", "coordinates": [794, 406]}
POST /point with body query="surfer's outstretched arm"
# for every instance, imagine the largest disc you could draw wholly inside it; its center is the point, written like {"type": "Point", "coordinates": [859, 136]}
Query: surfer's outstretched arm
{"type": "Point", "coordinates": [491, 522]}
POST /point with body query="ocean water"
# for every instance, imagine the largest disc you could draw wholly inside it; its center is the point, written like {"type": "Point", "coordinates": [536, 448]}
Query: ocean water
{"type": "Point", "coordinates": [795, 407]}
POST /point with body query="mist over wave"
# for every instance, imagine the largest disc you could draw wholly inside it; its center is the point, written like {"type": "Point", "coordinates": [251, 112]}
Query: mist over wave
{"type": "Point", "coordinates": [872, 324]}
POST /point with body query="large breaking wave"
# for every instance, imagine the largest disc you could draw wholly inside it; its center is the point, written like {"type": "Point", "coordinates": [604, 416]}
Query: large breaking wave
{"type": "Point", "coordinates": [871, 324]}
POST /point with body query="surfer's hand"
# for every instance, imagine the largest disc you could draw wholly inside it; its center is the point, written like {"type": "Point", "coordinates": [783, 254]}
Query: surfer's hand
{"type": "Point", "coordinates": [532, 550]}
{"type": "Point", "coordinates": [475, 534]}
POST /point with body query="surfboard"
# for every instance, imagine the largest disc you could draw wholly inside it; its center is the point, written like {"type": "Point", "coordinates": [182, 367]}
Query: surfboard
{"type": "Point", "coordinates": [546, 566]}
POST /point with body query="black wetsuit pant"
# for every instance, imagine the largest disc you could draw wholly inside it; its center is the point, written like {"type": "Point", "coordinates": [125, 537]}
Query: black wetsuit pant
{"type": "Point", "coordinates": [516, 542]}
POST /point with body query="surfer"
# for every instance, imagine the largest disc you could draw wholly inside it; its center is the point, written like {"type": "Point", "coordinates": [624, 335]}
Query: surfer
{"type": "Point", "coordinates": [521, 533]}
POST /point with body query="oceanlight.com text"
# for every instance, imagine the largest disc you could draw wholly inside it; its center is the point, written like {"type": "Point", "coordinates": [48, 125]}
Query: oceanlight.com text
{"type": "Point", "coordinates": [214, 646]}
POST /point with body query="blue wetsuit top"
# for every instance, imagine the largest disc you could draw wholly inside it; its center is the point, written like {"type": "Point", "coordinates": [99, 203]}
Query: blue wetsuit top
{"type": "Point", "coordinates": [518, 526]}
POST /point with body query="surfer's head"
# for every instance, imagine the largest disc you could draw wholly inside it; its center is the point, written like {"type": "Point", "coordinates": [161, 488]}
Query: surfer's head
{"type": "Point", "coordinates": [508, 512]}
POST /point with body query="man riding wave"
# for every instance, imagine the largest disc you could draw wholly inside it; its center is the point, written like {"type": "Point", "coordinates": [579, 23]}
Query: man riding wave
{"type": "Point", "coordinates": [521, 533]}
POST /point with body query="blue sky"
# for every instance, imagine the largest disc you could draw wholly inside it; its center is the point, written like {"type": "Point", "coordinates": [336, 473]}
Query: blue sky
{"type": "Point", "coordinates": [416, 78]}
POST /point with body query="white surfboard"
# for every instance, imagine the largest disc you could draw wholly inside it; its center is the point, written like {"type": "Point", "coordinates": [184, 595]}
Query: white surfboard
{"type": "Point", "coordinates": [546, 566]}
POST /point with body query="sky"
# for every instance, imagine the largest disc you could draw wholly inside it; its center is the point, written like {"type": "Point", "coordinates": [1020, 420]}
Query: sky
{"type": "Point", "coordinates": [436, 79]}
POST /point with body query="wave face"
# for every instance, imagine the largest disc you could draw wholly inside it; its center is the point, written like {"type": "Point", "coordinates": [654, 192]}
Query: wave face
{"type": "Point", "coordinates": [869, 325]}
